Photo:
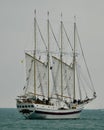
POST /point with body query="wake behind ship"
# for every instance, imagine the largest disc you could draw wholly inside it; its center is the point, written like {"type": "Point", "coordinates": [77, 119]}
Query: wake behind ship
{"type": "Point", "coordinates": [55, 86]}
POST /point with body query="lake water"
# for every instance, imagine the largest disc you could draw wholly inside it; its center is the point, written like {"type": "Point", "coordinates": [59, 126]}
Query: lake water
{"type": "Point", "coordinates": [11, 119]}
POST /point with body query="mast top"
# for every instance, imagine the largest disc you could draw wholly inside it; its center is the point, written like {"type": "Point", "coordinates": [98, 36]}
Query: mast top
{"type": "Point", "coordinates": [48, 15]}
{"type": "Point", "coordinates": [74, 18]}
{"type": "Point", "coordinates": [35, 13]}
{"type": "Point", "coordinates": [61, 17]}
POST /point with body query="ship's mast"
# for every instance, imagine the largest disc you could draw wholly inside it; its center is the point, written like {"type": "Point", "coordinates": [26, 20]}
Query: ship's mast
{"type": "Point", "coordinates": [74, 58]}
{"type": "Point", "coordinates": [61, 57]}
{"type": "Point", "coordinates": [35, 53]}
{"type": "Point", "coordinates": [48, 52]}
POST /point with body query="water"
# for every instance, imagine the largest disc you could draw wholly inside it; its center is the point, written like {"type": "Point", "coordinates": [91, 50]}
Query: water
{"type": "Point", "coordinates": [10, 119]}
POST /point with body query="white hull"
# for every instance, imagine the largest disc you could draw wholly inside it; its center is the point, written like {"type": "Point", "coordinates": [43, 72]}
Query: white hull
{"type": "Point", "coordinates": [35, 115]}
{"type": "Point", "coordinates": [49, 112]}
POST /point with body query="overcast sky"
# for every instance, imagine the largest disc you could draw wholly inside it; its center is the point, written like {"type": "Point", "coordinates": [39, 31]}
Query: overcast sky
{"type": "Point", "coordinates": [16, 35]}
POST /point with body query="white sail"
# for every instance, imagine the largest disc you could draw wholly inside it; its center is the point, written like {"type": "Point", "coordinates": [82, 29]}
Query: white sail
{"type": "Point", "coordinates": [67, 74]}
{"type": "Point", "coordinates": [41, 76]}
{"type": "Point", "coordinates": [29, 88]}
{"type": "Point", "coordinates": [41, 79]}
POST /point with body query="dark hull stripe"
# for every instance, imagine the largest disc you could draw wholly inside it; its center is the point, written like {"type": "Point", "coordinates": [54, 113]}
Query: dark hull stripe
{"type": "Point", "coordinates": [57, 113]}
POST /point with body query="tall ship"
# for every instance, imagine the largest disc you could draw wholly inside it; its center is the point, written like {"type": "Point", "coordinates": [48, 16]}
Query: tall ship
{"type": "Point", "coordinates": [55, 87]}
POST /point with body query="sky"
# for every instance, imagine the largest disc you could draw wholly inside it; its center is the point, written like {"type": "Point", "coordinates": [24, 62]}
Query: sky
{"type": "Point", "coordinates": [16, 35]}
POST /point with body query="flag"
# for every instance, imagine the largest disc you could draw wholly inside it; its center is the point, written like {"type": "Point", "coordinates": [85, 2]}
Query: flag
{"type": "Point", "coordinates": [21, 61]}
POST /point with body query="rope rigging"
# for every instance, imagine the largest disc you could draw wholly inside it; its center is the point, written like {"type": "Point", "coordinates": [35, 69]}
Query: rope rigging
{"type": "Point", "coordinates": [85, 60]}
{"type": "Point", "coordinates": [54, 35]}
{"type": "Point", "coordinates": [84, 78]}
{"type": "Point", "coordinates": [66, 76]}
{"type": "Point", "coordinates": [67, 37]}
{"type": "Point", "coordinates": [41, 35]}
{"type": "Point", "coordinates": [80, 81]}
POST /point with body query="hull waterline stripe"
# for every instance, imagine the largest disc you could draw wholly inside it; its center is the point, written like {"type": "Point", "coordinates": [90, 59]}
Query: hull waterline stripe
{"type": "Point", "coordinates": [58, 113]}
